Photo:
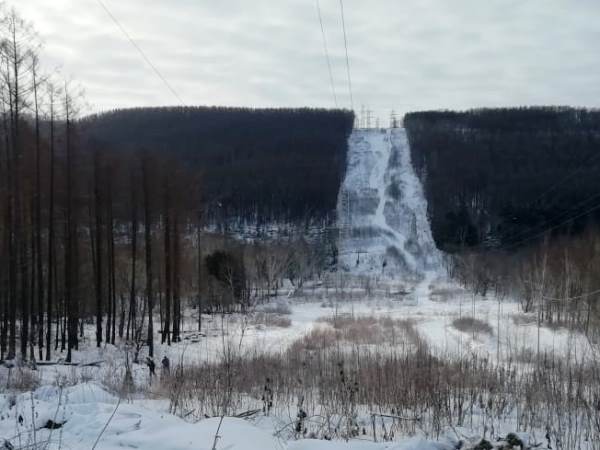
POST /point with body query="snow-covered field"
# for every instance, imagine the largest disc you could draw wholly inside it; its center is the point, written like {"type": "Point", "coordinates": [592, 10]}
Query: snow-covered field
{"type": "Point", "coordinates": [93, 418]}
{"type": "Point", "coordinates": [89, 412]}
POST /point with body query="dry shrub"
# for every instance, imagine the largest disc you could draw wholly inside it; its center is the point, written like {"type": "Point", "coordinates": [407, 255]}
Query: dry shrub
{"type": "Point", "coordinates": [437, 391]}
{"type": "Point", "coordinates": [116, 382]}
{"type": "Point", "coordinates": [345, 321]}
{"type": "Point", "coordinates": [362, 331]}
{"type": "Point", "coordinates": [279, 321]}
{"type": "Point", "coordinates": [523, 319]}
{"type": "Point", "coordinates": [19, 379]}
{"type": "Point", "coordinates": [524, 355]}
{"type": "Point", "coordinates": [280, 308]}
{"type": "Point", "coordinates": [317, 338]}
{"type": "Point", "coordinates": [370, 330]}
{"type": "Point", "coordinates": [271, 320]}
{"type": "Point", "coordinates": [472, 325]}
{"type": "Point", "coordinates": [446, 293]}
{"type": "Point", "coordinates": [554, 325]}
{"type": "Point", "coordinates": [564, 324]}
{"type": "Point", "coordinates": [408, 326]}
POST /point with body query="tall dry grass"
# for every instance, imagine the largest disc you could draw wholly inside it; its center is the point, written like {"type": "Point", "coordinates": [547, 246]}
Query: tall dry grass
{"type": "Point", "coordinates": [336, 382]}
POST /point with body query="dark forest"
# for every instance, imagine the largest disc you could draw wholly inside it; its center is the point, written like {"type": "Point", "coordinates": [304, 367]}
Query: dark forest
{"type": "Point", "coordinates": [254, 164]}
{"type": "Point", "coordinates": [503, 177]}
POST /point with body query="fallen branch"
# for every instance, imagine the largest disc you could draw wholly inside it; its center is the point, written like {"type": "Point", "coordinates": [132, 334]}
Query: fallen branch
{"type": "Point", "coordinates": [75, 364]}
{"type": "Point", "coordinates": [391, 416]}
{"type": "Point", "coordinates": [246, 414]}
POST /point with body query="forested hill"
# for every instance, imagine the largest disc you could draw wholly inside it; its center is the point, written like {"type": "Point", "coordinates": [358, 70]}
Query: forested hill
{"type": "Point", "coordinates": [502, 177]}
{"type": "Point", "coordinates": [255, 164]}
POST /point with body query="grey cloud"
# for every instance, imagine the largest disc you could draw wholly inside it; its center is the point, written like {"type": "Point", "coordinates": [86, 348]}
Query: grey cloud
{"type": "Point", "coordinates": [406, 55]}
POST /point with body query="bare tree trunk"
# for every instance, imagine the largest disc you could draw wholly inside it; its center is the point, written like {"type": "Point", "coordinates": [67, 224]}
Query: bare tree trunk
{"type": "Point", "coordinates": [14, 259]}
{"type": "Point", "coordinates": [38, 218]}
{"type": "Point", "coordinates": [7, 243]}
{"type": "Point", "coordinates": [199, 268]}
{"type": "Point", "coordinates": [71, 265]}
{"type": "Point", "coordinates": [176, 279]}
{"type": "Point", "coordinates": [13, 213]}
{"type": "Point", "coordinates": [32, 289]}
{"type": "Point", "coordinates": [132, 291]}
{"type": "Point", "coordinates": [51, 271]}
{"type": "Point", "coordinates": [99, 247]}
{"type": "Point", "coordinates": [111, 313]}
{"type": "Point", "coordinates": [148, 237]}
{"type": "Point", "coordinates": [8, 331]}
{"type": "Point", "coordinates": [121, 316]}
{"type": "Point", "coordinates": [166, 332]}
{"type": "Point", "coordinates": [113, 284]}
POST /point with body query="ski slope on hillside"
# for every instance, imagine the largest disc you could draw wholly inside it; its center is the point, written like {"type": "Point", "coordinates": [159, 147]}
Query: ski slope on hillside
{"type": "Point", "coordinates": [382, 211]}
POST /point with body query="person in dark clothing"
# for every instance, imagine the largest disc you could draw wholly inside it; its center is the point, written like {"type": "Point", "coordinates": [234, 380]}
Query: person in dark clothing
{"type": "Point", "coordinates": [166, 365]}
{"type": "Point", "coordinates": [151, 366]}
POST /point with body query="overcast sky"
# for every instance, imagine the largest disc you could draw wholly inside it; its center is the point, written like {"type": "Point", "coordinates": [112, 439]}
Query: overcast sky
{"type": "Point", "coordinates": [404, 54]}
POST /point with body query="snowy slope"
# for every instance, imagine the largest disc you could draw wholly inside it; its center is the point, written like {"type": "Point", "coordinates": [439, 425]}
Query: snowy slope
{"type": "Point", "coordinates": [382, 211]}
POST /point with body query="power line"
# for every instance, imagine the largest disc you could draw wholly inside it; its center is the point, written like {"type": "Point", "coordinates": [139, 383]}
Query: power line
{"type": "Point", "coordinates": [585, 163]}
{"type": "Point", "coordinates": [568, 219]}
{"type": "Point", "coordinates": [347, 59]}
{"type": "Point", "coordinates": [141, 52]}
{"type": "Point", "coordinates": [568, 177]}
{"type": "Point", "coordinates": [327, 55]}
{"type": "Point", "coordinates": [562, 215]}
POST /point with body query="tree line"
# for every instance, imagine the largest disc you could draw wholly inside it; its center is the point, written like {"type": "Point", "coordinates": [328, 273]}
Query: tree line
{"type": "Point", "coordinates": [115, 236]}
{"type": "Point", "coordinates": [497, 177]}
{"type": "Point", "coordinates": [257, 165]}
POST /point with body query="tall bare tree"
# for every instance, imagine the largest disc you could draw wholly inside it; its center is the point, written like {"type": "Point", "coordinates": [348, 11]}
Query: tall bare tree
{"type": "Point", "coordinates": [52, 94]}
{"type": "Point", "coordinates": [99, 244]}
{"type": "Point", "coordinates": [148, 244]}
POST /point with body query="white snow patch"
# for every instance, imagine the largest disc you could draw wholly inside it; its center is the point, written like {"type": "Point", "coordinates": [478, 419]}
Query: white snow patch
{"type": "Point", "coordinates": [382, 211]}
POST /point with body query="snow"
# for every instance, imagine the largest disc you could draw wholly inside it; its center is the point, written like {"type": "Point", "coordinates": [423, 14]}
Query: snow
{"type": "Point", "coordinates": [85, 409]}
{"type": "Point", "coordinates": [89, 413]}
{"type": "Point", "coordinates": [407, 444]}
{"type": "Point", "coordinates": [382, 211]}
{"type": "Point", "coordinates": [146, 423]}
{"type": "Point", "coordinates": [237, 434]}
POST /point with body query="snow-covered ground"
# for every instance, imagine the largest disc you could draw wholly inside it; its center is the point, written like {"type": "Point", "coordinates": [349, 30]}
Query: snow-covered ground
{"type": "Point", "coordinates": [91, 418]}
{"type": "Point", "coordinates": [87, 407]}
{"type": "Point", "coordinates": [433, 305]}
